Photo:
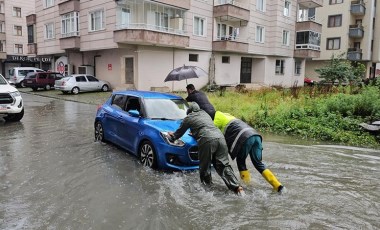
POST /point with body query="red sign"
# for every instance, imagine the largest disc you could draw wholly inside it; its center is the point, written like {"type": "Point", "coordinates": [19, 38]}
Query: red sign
{"type": "Point", "coordinates": [109, 66]}
{"type": "Point", "coordinates": [61, 68]}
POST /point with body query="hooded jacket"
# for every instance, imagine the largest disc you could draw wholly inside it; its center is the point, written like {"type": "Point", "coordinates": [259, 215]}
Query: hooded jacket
{"type": "Point", "coordinates": [235, 131]}
{"type": "Point", "coordinates": [200, 124]}
{"type": "Point", "coordinates": [201, 99]}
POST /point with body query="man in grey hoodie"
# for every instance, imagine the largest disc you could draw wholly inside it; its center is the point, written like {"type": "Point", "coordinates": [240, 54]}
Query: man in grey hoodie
{"type": "Point", "coordinates": [212, 147]}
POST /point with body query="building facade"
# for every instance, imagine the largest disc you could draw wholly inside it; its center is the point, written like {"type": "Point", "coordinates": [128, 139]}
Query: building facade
{"type": "Point", "coordinates": [350, 28]}
{"type": "Point", "coordinates": [134, 44]}
{"type": "Point", "coordinates": [14, 36]}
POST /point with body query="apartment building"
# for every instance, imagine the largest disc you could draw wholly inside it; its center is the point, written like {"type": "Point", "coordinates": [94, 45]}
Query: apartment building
{"type": "Point", "coordinates": [136, 43]}
{"type": "Point", "coordinates": [13, 35]}
{"type": "Point", "coordinates": [351, 28]}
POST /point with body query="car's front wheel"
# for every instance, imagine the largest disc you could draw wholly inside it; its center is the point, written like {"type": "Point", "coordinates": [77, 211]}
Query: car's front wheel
{"type": "Point", "coordinates": [47, 87]}
{"type": "Point", "coordinates": [105, 88]}
{"type": "Point", "coordinates": [147, 155]}
{"type": "Point", "coordinates": [13, 117]}
{"type": "Point", "coordinates": [75, 90]}
{"type": "Point", "coordinates": [99, 132]}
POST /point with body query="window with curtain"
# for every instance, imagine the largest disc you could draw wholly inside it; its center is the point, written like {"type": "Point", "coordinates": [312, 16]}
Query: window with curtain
{"type": "Point", "coordinates": [97, 20]}
{"type": "Point", "coordinates": [199, 26]}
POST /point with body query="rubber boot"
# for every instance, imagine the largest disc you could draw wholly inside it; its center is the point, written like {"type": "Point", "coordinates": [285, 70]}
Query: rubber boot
{"type": "Point", "coordinates": [245, 176]}
{"type": "Point", "coordinates": [268, 175]}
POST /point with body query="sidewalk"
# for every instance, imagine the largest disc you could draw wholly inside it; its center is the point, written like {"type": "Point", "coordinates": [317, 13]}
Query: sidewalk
{"type": "Point", "coordinates": [95, 98]}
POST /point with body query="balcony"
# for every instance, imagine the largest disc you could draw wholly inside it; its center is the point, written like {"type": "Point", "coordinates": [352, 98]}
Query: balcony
{"type": "Point", "coordinates": [31, 19]}
{"type": "Point", "coordinates": [354, 54]}
{"type": "Point", "coordinates": [151, 35]}
{"type": "Point", "coordinates": [230, 44]}
{"type": "Point", "coordinates": [357, 8]}
{"type": "Point", "coordinates": [32, 48]}
{"type": "Point", "coordinates": [69, 6]}
{"type": "Point", "coordinates": [306, 53]}
{"type": "Point", "coordinates": [308, 44]}
{"type": "Point", "coordinates": [307, 4]}
{"type": "Point", "coordinates": [356, 31]}
{"type": "Point", "coordinates": [232, 11]}
{"type": "Point", "coordinates": [69, 43]}
{"type": "Point", "coordinates": [184, 4]}
{"type": "Point", "coordinates": [308, 25]}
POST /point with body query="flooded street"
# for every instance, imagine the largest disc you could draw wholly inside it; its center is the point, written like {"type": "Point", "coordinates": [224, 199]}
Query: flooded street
{"type": "Point", "coordinates": [54, 176]}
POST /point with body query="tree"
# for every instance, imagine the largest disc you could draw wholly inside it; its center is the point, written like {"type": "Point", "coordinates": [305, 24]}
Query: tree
{"type": "Point", "coordinates": [341, 70]}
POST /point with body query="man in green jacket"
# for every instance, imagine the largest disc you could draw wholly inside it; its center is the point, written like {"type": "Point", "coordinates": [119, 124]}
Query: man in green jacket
{"type": "Point", "coordinates": [242, 140]}
{"type": "Point", "coordinates": [211, 146]}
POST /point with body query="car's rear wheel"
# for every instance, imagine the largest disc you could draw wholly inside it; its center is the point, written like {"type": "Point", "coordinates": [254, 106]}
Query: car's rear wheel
{"type": "Point", "coordinates": [75, 90]}
{"type": "Point", "coordinates": [47, 87]}
{"type": "Point", "coordinates": [147, 155]}
{"type": "Point", "coordinates": [99, 131]}
{"type": "Point", "coordinates": [13, 117]}
{"type": "Point", "coordinates": [22, 84]}
{"type": "Point", "coordinates": [105, 88]}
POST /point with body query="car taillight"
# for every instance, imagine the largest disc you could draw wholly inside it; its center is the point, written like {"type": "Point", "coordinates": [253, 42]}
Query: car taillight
{"type": "Point", "coordinates": [14, 78]}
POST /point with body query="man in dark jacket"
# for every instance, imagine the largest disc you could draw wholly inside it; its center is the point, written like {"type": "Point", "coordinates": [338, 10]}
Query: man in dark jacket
{"type": "Point", "coordinates": [212, 147]}
{"type": "Point", "coordinates": [201, 99]}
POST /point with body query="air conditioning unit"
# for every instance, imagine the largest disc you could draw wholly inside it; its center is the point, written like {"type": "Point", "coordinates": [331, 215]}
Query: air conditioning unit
{"type": "Point", "coordinates": [86, 69]}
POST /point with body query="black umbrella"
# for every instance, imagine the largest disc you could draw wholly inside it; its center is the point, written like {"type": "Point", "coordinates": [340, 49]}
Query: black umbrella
{"type": "Point", "coordinates": [184, 73]}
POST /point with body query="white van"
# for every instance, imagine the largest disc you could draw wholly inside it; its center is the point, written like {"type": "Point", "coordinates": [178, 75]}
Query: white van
{"type": "Point", "coordinates": [17, 74]}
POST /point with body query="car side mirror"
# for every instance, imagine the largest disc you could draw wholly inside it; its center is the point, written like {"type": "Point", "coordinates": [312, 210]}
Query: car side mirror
{"type": "Point", "coordinates": [134, 113]}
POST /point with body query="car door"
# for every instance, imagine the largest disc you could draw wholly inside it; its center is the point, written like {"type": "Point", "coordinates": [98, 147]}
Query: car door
{"type": "Point", "coordinates": [93, 83]}
{"type": "Point", "coordinates": [131, 128]}
{"type": "Point", "coordinates": [113, 118]}
{"type": "Point", "coordinates": [81, 82]}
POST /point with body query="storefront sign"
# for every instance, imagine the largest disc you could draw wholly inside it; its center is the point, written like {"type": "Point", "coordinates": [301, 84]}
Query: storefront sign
{"type": "Point", "coordinates": [109, 66]}
{"type": "Point", "coordinates": [27, 59]}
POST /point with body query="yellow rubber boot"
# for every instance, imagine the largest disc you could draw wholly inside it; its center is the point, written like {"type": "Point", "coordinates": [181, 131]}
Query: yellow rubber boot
{"type": "Point", "coordinates": [245, 176]}
{"type": "Point", "coordinates": [268, 175]}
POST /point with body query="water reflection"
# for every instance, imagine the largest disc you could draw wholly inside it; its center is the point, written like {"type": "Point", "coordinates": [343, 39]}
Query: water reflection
{"type": "Point", "coordinates": [54, 176]}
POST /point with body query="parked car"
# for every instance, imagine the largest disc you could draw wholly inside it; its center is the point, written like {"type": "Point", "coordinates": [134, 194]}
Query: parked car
{"type": "Point", "coordinates": [45, 80]}
{"type": "Point", "coordinates": [11, 104]}
{"type": "Point", "coordinates": [81, 83]}
{"type": "Point", "coordinates": [308, 81]}
{"type": "Point", "coordinates": [138, 121]}
{"type": "Point", "coordinates": [17, 74]}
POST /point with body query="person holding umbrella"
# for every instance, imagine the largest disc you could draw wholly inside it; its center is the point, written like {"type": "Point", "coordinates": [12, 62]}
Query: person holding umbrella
{"type": "Point", "coordinates": [212, 147]}
{"type": "Point", "coordinates": [242, 140]}
{"type": "Point", "coordinates": [201, 99]}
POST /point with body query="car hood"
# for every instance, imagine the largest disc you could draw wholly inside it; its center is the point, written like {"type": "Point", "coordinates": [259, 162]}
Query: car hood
{"type": "Point", "coordinates": [7, 88]}
{"type": "Point", "coordinates": [169, 125]}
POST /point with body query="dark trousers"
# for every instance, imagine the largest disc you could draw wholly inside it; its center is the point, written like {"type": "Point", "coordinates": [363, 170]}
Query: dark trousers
{"type": "Point", "coordinates": [254, 148]}
{"type": "Point", "coordinates": [216, 152]}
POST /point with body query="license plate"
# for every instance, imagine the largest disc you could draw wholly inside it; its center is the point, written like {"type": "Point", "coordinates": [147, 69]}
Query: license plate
{"type": "Point", "coordinates": [3, 107]}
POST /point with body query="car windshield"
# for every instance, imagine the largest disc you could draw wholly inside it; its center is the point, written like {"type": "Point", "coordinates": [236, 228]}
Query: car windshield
{"type": "Point", "coordinates": [3, 81]}
{"type": "Point", "coordinates": [165, 108]}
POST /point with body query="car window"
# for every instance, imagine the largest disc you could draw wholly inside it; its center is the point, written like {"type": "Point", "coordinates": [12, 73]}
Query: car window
{"type": "Point", "coordinates": [31, 75]}
{"type": "Point", "coordinates": [39, 71]}
{"type": "Point", "coordinates": [118, 101]}
{"type": "Point", "coordinates": [24, 72]}
{"type": "Point", "coordinates": [58, 76]}
{"type": "Point", "coordinates": [3, 81]}
{"type": "Point", "coordinates": [42, 76]}
{"type": "Point", "coordinates": [91, 78]}
{"type": "Point", "coordinates": [51, 75]}
{"type": "Point", "coordinates": [80, 79]}
{"type": "Point", "coordinates": [133, 104]}
{"type": "Point", "coordinates": [165, 108]}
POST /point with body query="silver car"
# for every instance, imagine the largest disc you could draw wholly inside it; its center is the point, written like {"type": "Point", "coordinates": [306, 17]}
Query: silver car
{"type": "Point", "coordinates": [81, 83]}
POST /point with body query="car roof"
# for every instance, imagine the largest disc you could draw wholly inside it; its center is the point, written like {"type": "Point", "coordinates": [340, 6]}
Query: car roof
{"type": "Point", "coordinates": [148, 94]}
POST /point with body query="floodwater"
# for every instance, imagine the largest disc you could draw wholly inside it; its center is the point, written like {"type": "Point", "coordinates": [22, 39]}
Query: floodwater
{"type": "Point", "coordinates": [54, 176]}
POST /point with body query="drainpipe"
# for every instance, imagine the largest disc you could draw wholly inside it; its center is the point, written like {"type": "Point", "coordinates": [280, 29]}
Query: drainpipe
{"type": "Point", "coordinates": [95, 56]}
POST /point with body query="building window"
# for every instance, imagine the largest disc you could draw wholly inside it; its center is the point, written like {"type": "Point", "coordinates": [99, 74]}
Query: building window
{"type": "Point", "coordinates": [333, 2]}
{"type": "Point", "coordinates": [193, 57]}
{"type": "Point", "coordinates": [49, 31]}
{"type": "Point", "coordinates": [335, 20]}
{"type": "Point", "coordinates": [287, 8]}
{"type": "Point", "coordinates": [19, 49]}
{"type": "Point", "coordinates": [31, 34]}
{"type": "Point", "coordinates": [2, 46]}
{"type": "Point", "coordinates": [333, 43]}
{"type": "Point", "coordinates": [225, 59]}
{"type": "Point", "coordinates": [17, 30]}
{"type": "Point", "coordinates": [70, 24]}
{"type": "Point", "coordinates": [124, 17]}
{"type": "Point", "coordinates": [97, 21]}
{"type": "Point", "coordinates": [2, 27]}
{"type": "Point", "coordinates": [17, 12]}
{"type": "Point", "coordinates": [280, 66]}
{"type": "Point", "coordinates": [285, 37]}
{"type": "Point", "coordinates": [260, 34]}
{"type": "Point", "coordinates": [297, 67]}
{"type": "Point", "coordinates": [260, 5]}
{"type": "Point", "coordinates": [2, 7]}
{"type": "Point", "coordinates": [48, 3]}
{"type": "Point", "coordinates": [199, 26]}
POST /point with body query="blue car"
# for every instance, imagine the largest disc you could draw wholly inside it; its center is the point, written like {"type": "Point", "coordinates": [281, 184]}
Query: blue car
{"type": "Point", "coordinates": [138, 121]}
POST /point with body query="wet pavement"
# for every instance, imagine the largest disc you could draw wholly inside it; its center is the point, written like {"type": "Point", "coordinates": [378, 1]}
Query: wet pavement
{"type": "Point", "coordinates": [54, 176]}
